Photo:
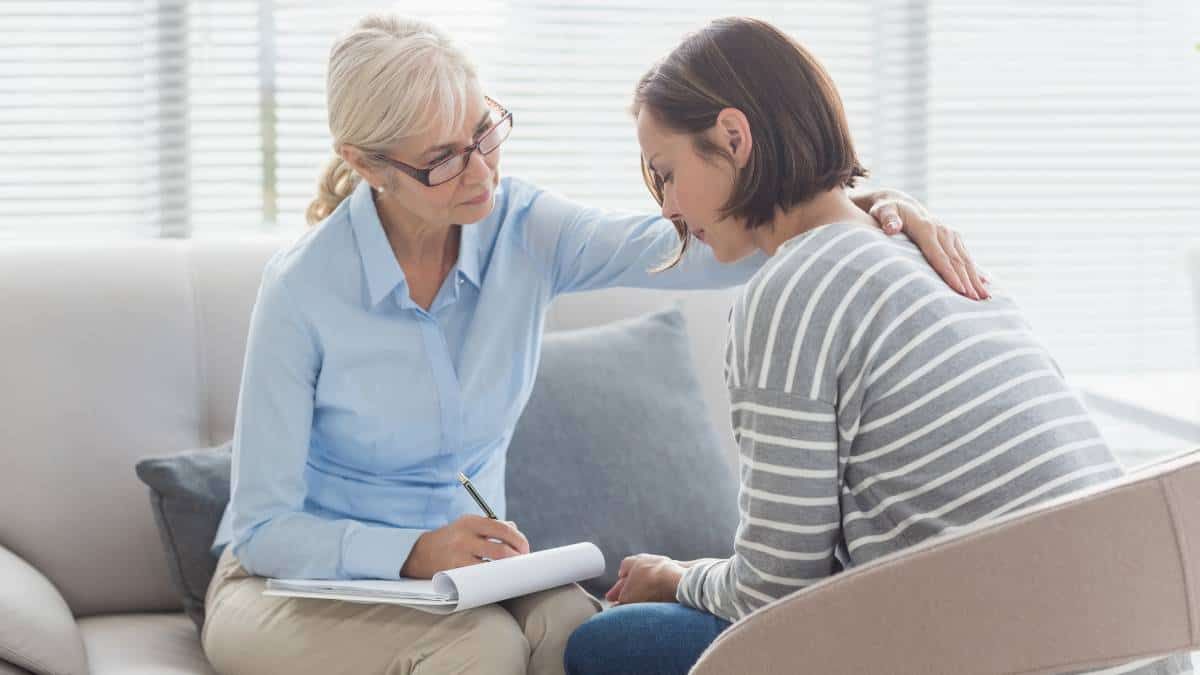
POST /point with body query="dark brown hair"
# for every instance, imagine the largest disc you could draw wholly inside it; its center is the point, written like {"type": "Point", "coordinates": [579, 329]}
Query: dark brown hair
{"type": "Point", "coordinates": [801, 139]}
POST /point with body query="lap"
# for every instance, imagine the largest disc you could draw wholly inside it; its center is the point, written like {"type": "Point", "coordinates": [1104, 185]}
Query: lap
{"type": "Point", "coordinates": [645, 637]}
{"type": "Point", "coordinates": [246, 631]}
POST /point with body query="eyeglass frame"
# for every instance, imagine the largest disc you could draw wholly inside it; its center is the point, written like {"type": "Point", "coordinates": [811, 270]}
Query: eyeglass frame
{"type": "Point", "coordinates": [422, 175]}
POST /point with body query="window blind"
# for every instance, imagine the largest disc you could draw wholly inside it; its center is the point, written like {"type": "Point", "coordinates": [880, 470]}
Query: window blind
{"type": "Point", "coordinates": [566, 70]}
{"type": "Point", "coordinates": [1061, 137]}
{"type": "Point", "coordinates": [226, 133]}
{"type": "Point", "coordinates": [131, 118]}
{"type": "Point", "coordinates": [1064, 139]}
{"type": "Point", "coordinates": [83, 149]}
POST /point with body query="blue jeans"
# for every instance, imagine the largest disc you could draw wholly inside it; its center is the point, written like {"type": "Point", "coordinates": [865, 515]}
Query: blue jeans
{"type": "Point", "coordinates": [650, 637]}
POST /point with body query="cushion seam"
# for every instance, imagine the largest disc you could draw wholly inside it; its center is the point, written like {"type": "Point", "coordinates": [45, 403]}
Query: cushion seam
{"type": "Point", "coordinates": [1113, 661]}
{"type": "Point", "coordinates": [18, 659]}
{"type": "Point", "coordinates": [200, 357]}
{"type": "Point", "coordinates": [1181, 545]}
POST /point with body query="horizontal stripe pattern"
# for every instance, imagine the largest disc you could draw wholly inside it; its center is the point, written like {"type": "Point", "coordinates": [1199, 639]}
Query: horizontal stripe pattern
{"type": "Point", "coordinates": [873, 409]}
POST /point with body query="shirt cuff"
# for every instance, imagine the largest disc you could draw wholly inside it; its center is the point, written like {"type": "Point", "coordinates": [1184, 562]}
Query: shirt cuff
{"type": "Point", "coordinates": [692, 579]}
{"type": "Point", "coordinates": [375, 552]}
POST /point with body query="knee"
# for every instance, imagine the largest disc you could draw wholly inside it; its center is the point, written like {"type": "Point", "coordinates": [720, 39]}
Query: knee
{"type": "Point", "coordinates": [559, 613]}
{"type": "Point", "coordinates": [594, 643]}
{"type": "Point", "coordinates": [645, 637]}
{"type": "Point", "coordinates": [494, 641]}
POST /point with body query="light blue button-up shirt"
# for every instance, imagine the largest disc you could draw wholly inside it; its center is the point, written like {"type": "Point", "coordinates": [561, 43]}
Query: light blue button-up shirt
{"type": "Point", "coordinates": [358, 408]}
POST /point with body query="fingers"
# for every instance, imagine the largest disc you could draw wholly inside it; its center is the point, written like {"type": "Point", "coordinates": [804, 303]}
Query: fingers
{"type": "Point", "coordinates": [619, 592]}
{"type": "Point", "coordinates": [466, 560]}
{"type": "Point", "coordinates": [976, 278]}
{"type": "Point", "coordinates": [615, 592]}
{"type": "Point", "coordinates": [626, 565]}
{"type": "Point", "coordinates": [887, 215]}
{"type": "Point", "coordinates": [522, 543]}
{"type": "Point", "coordinates": [625, 594]}
{"type": "Point", "coordinates": [491, 549]}
{"type": "Point", "coordinates": [931, 247]}
{"type": "Point", "coordinates": [506, 532]}
{"type": "Point", "coordinates": [947, 237]}
{"type": "Point", "coordinates": [634, 579]}
{"type": "Point", "coordinates": [638, 586]}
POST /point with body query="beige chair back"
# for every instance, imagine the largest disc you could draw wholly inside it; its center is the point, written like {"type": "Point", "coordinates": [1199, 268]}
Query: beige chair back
{"type": "Point", "coordinates": [1096, 579]}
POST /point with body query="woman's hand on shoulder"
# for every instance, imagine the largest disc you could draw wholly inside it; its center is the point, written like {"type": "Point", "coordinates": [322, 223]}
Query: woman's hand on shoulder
{"type": "Point", "coordinates": [942, 246]}
{"type": "Point", "coordinates": [466, 541]}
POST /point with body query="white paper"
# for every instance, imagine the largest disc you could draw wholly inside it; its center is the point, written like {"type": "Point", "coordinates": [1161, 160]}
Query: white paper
{"type": "Point", "coordinates": [462, 588]}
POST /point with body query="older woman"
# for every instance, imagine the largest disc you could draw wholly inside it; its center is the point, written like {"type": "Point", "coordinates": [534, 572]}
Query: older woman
{"type": "Point", "coordinates": [391, 348]}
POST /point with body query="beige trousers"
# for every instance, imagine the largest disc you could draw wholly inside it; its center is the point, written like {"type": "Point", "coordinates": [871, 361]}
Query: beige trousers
{"type": "Point", "coordinates": [248, 632]}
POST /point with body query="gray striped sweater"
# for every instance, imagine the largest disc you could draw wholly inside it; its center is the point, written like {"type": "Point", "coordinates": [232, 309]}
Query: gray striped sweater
{"type": "Point", "coordinates": [874, 408]}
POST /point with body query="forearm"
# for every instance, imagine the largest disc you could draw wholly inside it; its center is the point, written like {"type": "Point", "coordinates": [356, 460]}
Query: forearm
{"type": "Point", "coordinates": [300, 545]}
{"type": "Point", "coordinates": [708, 585]}
{"type": "Point", "coordinates": [585, 248]}
{"type": "Point", "coordinates": [624, 251]}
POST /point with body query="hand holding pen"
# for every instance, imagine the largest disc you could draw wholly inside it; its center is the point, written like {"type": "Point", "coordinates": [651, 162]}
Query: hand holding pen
{"type": "Point", "coordinates": [469, 540]}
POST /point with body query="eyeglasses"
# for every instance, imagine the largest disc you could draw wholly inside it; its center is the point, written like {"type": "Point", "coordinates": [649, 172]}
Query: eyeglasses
{"type": "Point", "coordinates": [452, 167]}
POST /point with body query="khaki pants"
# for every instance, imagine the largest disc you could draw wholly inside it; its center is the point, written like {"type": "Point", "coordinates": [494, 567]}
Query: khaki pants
{"type": "Point", "coordinates": [248, 632]}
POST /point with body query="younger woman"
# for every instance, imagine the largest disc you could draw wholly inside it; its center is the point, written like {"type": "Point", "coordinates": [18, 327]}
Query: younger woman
{"type": "Point", "coordinates": [873, 408]}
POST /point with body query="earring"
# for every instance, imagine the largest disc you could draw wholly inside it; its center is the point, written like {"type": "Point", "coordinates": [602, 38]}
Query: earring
{"type": "Point", "coordinates": [379, 189]}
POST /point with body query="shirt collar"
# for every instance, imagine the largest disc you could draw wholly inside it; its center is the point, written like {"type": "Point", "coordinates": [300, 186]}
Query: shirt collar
{"type": "Point", "coordinates": [468, 254]}
{"type": "Point", "coordinates": [382, 271]}
{"type": "Point", "coordinates": [379, 263]}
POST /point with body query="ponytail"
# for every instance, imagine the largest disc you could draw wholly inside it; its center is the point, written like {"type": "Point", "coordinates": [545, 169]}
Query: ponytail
{"type": "Point", "coordinates": [337, 182]}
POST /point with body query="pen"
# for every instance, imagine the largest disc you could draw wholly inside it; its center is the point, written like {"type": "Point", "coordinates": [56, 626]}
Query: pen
{"type": "Point", "coordinates": [462, 478]}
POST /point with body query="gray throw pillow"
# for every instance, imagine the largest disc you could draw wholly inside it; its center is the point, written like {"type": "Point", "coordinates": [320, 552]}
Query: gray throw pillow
{"type": "Point", "coordinates": [188, 493]}
{"type": "Point", "coordinates": [616, 447]}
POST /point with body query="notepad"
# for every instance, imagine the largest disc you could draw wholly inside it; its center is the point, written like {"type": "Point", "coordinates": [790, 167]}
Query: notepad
{"type": "Point", "coordinates": [462, 588]}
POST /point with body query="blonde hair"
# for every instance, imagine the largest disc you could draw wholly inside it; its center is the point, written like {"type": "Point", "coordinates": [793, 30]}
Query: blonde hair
{"type": "Point", "coordinates": [389, 79]}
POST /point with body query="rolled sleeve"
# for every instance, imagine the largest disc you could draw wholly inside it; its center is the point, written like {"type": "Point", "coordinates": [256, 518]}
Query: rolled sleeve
{"type": "Point", "coordinates": [586, 248]}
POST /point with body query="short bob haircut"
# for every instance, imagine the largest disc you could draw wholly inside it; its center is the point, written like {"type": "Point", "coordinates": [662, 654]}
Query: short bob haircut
{"type": "Point", "coordinates": [802, 143]}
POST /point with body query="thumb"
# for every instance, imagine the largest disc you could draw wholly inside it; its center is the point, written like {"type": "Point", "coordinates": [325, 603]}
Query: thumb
{"type": "Point", "coordinates": [888, 216]}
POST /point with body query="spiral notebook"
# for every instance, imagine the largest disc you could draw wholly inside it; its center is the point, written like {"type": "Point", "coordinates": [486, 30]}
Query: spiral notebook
{"type": "Point", "coordinates": [462, 588]}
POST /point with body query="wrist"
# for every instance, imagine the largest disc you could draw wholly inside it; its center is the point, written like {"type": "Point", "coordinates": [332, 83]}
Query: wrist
{"type": "Point", "coordinates": [412, 567]}
{"type": "Point", "coordinates": [672, 579]}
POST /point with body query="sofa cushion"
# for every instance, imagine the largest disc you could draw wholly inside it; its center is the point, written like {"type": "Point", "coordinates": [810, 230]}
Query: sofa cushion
{"type": "Point", "coordinates": [188, 493]}
{"type": "Point", "coordinates": [162, 644]}
{"type": "Point", "coordinates": [616, 447]}
{"type": "Point", "coordinates": [37, 631]}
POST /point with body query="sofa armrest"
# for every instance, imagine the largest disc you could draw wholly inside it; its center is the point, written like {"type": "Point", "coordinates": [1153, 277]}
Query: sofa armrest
{"type": "Point", "coordinates": [37, 630]}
